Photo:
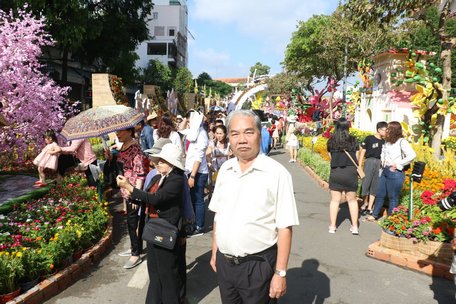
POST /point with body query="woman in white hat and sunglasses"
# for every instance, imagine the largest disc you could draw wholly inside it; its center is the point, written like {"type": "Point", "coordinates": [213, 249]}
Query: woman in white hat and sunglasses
{"type": "Point", "coordinates": [163, 198]}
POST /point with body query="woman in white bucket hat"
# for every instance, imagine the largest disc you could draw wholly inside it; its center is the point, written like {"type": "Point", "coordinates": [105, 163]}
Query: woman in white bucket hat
{"type": "Point", "coordinates": [163, 198]}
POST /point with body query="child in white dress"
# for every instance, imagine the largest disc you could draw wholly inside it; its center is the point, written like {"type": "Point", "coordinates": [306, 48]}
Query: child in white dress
{"type": "Point", "coordinates": [292, 143]}
{"type": "Point", "coordinates": [45, 160]}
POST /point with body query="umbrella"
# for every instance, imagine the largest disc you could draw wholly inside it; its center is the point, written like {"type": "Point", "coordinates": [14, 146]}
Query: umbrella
{"type": "Point", "coordinates": [101, 120]}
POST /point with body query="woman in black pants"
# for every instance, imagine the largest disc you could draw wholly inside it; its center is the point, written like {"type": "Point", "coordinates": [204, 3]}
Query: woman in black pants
{"type": "Point", "coordinates": [163, 198]}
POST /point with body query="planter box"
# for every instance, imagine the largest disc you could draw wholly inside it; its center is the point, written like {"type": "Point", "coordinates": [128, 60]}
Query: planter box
{"type": "Point", "coordinates": [424, 250]}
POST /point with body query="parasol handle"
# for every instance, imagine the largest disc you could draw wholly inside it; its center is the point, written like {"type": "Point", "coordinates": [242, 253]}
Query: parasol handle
{"type": "Point", "coordinates": [105, 144]}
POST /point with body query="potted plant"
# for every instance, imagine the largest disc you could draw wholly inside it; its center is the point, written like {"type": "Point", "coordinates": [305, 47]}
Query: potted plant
{"type": "Point", "coordinates": [34, 263]}
{"type": "Point", "coordinates": [11, 270]}
{"type": "Point", "coordinates": [430, 229]}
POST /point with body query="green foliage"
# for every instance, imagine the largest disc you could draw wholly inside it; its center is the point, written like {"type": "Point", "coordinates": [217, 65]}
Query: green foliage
{"type": "Point", "coordinates": [320, 166]}
{"type": "Point", "coordinates": [261, 69]}
{"type": "Point", "coordinates": [450, 143]}
{"type": "Point", "coordinates": [383, 12]}
{"type": "Point", "coordinates": [215, 86]}
{"type": "Point", "coordinates": [34, 262]}
{"type": "Point", "coordinates": [283, 83]}
{"type": "Point", "coordinates": [203, 78]}
{"type": "Point", "coordinates": [320, 44]}
{"type": "Point", "coordinates": [157, 74]}
{"type": "Point", "coordinates": [183, 83]}
{"type": "Point", "coordinates": [10, 271]}
{"type": "Point", "coordinates": [107, 32]}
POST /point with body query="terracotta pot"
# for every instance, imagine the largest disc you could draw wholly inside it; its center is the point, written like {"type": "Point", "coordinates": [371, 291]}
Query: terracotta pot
{"type": "Point", "coordinates": [9, 296]}
{"type": "Point", "coordinates": [27, 285]}
{"type": "Point", "coordinates": [77, 255]}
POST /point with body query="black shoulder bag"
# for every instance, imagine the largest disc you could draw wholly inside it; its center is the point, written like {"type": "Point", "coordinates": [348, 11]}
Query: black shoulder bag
{"type": "Point", "coordinates": [160, 232]}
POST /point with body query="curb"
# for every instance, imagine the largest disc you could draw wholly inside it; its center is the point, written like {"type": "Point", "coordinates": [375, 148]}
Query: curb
{"type": "Point", "coordinates": [317, 178]}
{"type": "Point", "coordinates": [60, 281]}
{"type": "Point", "coordinates": [426, 266]}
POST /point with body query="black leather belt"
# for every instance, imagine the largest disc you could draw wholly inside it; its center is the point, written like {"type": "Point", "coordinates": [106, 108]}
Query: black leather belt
{"type": "Point", "coordinates": [234, 260]}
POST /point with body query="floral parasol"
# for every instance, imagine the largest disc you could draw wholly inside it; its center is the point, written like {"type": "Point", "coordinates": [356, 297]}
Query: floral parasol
{"type": "Point", "coordinates": [100, 121]}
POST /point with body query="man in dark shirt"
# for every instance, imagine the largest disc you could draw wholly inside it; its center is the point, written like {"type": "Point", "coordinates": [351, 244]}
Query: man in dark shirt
{"type": "Point", "coordinates": [371, 149]}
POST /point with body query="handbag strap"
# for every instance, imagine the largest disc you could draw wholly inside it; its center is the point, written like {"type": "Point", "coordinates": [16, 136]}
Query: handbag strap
{"type": "Point", "coordinates": [349, 156]}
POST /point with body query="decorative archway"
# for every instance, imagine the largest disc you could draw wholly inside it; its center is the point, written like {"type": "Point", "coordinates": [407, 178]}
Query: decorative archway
{"type": "Point", "coordinates": [239, 101]}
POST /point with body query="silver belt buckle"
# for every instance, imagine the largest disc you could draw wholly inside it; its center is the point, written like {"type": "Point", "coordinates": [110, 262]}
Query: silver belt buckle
{"type": "Point", "coordinates": [236, 261]}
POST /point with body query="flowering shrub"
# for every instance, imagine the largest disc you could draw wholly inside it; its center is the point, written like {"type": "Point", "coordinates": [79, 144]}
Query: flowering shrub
{"type": "Point", "coordinates": [32, 102]}
{"type": "Point", "coordinates": [67, 219]}
{"type": "Point", "coordinates": [428, 221]}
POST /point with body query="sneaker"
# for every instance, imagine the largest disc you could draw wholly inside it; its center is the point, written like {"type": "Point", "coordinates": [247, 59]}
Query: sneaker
{"type": "Point", "coordinates": [332, 229]}
{"type": "Point", "coordinates": [125, 253]}
{"type": "Point", "coordinates": [196, 232]}
{"type": "Point", "coordinates": [290, 161]}
{"type": "Point", "coordinates": [354, 230]}
{"type": "Point", "coordinates": [132, 264]}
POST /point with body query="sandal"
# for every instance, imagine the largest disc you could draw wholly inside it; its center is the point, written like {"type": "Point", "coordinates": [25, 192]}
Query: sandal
{"type": "Point", "coordinates": [371, 218]}
{"type": "Point", "coordinates": [363, 209]}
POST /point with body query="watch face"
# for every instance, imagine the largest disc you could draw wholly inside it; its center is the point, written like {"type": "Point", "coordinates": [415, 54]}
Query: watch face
{"type": "Point", "coordinates": [281, 273]}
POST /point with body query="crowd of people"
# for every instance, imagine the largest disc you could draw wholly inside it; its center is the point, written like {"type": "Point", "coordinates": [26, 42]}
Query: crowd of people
{"type": "Point", "coordinates": [166, 166]}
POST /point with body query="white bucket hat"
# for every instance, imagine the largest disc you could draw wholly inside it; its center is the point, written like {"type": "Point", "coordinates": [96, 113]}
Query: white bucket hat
{"type": "Point", "coordinates": [171, 154]}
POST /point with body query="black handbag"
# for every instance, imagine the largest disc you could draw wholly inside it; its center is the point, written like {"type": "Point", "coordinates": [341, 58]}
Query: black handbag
{"type": "Point", "coordinates": [160, 232]}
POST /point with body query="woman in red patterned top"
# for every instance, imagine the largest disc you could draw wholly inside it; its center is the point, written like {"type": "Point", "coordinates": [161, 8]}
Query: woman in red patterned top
{"type": "Point", "coordinates": [131, 165]}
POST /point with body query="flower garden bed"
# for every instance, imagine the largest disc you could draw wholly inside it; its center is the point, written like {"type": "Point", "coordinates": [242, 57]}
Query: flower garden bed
{"type": "Point", "coordinates": [40, 237]}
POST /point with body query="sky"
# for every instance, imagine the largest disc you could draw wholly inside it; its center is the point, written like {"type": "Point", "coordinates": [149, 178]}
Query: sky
{"type": "Point", "coordinates": [230, 36]}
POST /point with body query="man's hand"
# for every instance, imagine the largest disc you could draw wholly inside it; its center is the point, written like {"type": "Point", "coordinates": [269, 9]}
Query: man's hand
{"type": "Point", "coordinates": [212, 262]}
{"type": "Point", "coordinates": [191, 182]}
{"type": "Point", "coordinates": [278, 287]}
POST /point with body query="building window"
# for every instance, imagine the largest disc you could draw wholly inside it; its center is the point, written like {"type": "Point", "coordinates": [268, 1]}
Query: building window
{"type": "Point", "coordinates": [171, 32]}
{"type": "Point", "coordinates": [156, 49]}
{"type": "Point", "coordinates": [172, 51]}
{"type": "Point", "coordinates": [159, 31]}
{"type": "Point", "coordinates": [154, 15]}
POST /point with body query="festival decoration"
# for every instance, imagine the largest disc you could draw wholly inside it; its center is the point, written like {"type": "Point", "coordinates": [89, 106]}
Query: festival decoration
{"type": "Point", "coordinates": [365, 73]}
{"type": "Point", "coordinates": [428, 102]}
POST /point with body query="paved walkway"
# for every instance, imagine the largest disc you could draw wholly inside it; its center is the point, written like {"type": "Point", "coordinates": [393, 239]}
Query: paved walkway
{"type": "Point", "coordinates": [323, 268]}
{"type": "Point", "coordinates": [12, 186]}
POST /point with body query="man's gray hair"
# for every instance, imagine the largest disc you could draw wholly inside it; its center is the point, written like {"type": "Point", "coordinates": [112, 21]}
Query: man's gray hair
{"type": "Point", "coordinates": [248, 113]}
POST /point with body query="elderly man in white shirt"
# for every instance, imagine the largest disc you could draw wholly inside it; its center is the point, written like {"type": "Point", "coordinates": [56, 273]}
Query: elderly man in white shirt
{"type": "Point", "coordinates": [255, 210]}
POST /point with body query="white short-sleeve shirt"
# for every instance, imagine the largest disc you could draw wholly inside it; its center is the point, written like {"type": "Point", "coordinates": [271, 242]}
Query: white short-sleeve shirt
{"type": "Point", "coordinates": [251, 206]}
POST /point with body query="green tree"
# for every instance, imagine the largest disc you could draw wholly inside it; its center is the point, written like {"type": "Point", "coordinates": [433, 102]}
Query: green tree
{"type": "Point", "coordinates": [284, 83]}
{"type": "Point", "coordinates": [101, 32]}
{"type": "Point", "coordinates": [261, 69]}
{"type": "Point", "coordinates": [203, 78]}
{"type": "Point", "coordinates": [219, 87]}
{"type": "Point", "coordinates": [183, 83]}
{"type": "Point", "coordinates": [216, 86]}
{"type": "Point", "coordinates": [323, 46]}
{"type": "Point", "coordinates": [157, 74]}
{"type": "Point", "coordinates": [392, 12]}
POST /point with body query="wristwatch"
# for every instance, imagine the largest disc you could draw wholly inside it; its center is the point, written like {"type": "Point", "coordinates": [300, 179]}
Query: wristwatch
{"type": "Point", "coordinates": [281, 273]}
{"type": "Point", "coordinates": [192, 176]}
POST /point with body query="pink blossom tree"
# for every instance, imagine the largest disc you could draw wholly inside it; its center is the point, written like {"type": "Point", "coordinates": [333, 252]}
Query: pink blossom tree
{"type": "Point", "coordinates": [32, 102]}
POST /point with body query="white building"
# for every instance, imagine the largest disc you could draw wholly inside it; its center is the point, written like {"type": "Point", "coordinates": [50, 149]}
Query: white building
{"type": "Point", "coordinates": [168, 35]}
